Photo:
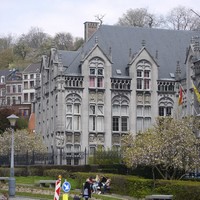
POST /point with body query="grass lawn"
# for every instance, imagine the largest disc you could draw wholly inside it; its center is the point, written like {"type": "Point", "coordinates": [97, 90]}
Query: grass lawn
{"type": "Point", "coordinates": [31, 181]}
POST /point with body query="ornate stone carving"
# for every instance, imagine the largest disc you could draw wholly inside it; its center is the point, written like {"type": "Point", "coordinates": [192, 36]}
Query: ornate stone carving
{"type": "Point", "coordinates": [100, 97]}
{"type": "Point", "coordinates": [92, 97]}
{"type": "Point", "coordinates": [139, 98]}
{"type": "Point", "coordinates": [60, 140]}
{"type": "Point", "coordinates": [92, 138]}
{"type": "Point", "coordinates": [147, 99]}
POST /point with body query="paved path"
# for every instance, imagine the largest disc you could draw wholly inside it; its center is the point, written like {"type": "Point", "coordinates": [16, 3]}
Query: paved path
{"type": "Point", "coordinates": [21, 198]}
{"type": "Point", "coordinates": [31, 198]}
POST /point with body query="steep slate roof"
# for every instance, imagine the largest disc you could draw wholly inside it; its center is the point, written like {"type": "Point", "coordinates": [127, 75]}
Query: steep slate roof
{"type": "Point", "coordinates": [32, 68]}
{"type": "Point", "coordinates": [68, 58]}
{"type": "Point", "coordinates": [5, 72]}
{"type": "Point", "coordinates": [170, 46]}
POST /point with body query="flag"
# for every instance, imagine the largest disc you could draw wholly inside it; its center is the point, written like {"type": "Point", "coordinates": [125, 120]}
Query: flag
{"type": "Point", "coordinates": [180, 98]}
{"type": "Point", "coordinates": [196, 92]}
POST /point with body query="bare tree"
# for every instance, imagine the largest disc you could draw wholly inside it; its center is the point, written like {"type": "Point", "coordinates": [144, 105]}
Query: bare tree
{"type": "Point", "coordinates": [139, 17]}
{"type": "Point", "coordinates": [36, 37]}
{"type": "Point", "coordinates": [21, 49]}
{"type": "Point", "coordinates": [78, 43]}
{"type": "Point", "coordinates": [182, 18]}
{"type": "Point", "coordinates": [100, 18]}
{"type": "Point", "coordinates": [6, 58]}
{"type": "Point", "coordinates": [6, 42]}
{"type": "Point", "coordinates": [64, 41]}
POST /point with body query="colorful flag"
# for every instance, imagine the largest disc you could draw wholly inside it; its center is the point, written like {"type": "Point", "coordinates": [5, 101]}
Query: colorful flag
{"type": "Point", "coordinates": [180, 98]}
{"type": "Point", "coordinates": [196, 92]}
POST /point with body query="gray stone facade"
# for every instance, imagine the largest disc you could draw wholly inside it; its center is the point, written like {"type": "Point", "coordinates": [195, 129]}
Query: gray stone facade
{"type": "Point", "coordinates": [117, 83]}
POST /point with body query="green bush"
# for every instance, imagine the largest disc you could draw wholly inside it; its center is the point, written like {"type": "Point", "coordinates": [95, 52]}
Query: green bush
{"type": "Point", "coordinates": [21, 172]}
{"type": "Point", "coordinates": [35, 171]}
{"type": "Point", "coordinates": [22, 123]}
{"type": "Point", "coordinates": [120, 184]}
{"type": "Point", "coordinates": [181, 190]}
{"type": "Point", "coordinates": [56, 172]}
{"type": "Point", "coordinates": [4, 171]}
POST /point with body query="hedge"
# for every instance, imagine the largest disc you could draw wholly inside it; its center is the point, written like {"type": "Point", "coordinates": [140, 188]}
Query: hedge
{"type": "Point", "coordinates": [121, 184]}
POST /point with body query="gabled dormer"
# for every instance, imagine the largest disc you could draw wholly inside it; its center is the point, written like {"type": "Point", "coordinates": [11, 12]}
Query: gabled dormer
{"type": "Point", "coordinates": [97, 66]}
{"type": "Point", "coordinates": [144, 70]}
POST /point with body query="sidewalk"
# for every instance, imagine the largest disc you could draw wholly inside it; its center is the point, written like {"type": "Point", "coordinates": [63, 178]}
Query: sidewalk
{"type": "Point", "coordinates": [108, 195]}
{"type": "Point", "coordinates": [21, 198]}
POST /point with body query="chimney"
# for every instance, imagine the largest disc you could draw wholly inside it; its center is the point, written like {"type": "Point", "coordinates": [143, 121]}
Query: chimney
{"type": "Point", "coordinates": [90, 29]}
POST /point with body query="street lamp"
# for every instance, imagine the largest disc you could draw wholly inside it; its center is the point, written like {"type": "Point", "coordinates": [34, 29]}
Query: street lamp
{"type": "Point", "coordinates": [12, 119]}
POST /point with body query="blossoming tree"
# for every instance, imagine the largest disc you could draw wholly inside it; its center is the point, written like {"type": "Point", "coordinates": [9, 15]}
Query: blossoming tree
{"type": "Point", "coordinates": [170, 147]}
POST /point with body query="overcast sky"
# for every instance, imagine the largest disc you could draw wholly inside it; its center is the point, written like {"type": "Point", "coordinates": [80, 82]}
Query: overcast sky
{"type": "Point", "coordinates": [53, 16]}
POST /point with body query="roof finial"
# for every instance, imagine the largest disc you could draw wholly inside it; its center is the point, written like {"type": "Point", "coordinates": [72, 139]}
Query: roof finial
{"type": "Point", "coordinates": [130, 54]}
{"type": "Point", "coordinates": [60, 57]}
{"type": "Point", "coordinates": [156, 54]}
{"type": "Point", "coordinates": [96, 40]}
{"type": "Point", "coordinates": [143, 43]}
{"type": "Point", "coordinates": [110, 52]}
{"type": "Point", "coordinates": [178, 71]}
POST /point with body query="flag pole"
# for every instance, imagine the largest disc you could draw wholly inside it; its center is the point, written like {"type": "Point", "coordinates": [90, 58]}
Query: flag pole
{"type": "Point", "coordinates": [188, 98]}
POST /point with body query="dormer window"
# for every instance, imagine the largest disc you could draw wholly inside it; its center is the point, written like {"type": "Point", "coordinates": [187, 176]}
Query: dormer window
{"type": "Point", "coordinates": [2, 79]}
{"type": "Point", "coordinates": [143, 75]}
{"type": "Point", "coordinates": [96, 76]}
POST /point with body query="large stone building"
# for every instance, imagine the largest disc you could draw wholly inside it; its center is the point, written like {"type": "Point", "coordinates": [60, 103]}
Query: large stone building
{"type": "Point", "coordinates": [118, 82]}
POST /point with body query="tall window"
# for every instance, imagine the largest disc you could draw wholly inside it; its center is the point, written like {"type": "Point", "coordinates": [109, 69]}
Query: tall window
{"type": "Point", "coordinates": [31, 96]}
{"type": "Point", "coordinates": [165, 111]}
{"type": "Point", "coordinates": [96, 118]}
{"type": "Point", "coordinates": [96, 73]}
{"type": "Point", "coordinates": [120, 114]}
{"type": "Point", "coordinates": [165, 107]}
{"type": "Point", "coordinates": [25, 84]}
{"type": "Point", "coordinates": [8, 100]}
{"type": "Point", "coordinates": [8, 88]}
{"type": "Point", "coordinates": [19, 88]}
{"type": "Point", "coordinates": [31, 84]}
{"type": "Point", "coordinates": [2, 79]}
{"type": "Point", "coordinates": [25, 76]}
{"type": "Point", "coordinates": [14, 88]}
{"type": "Point", "coordinates": [26, 97]}
{"type": "Point", "coordinates": [73, 113]}
{"type": "Point", "coordinates": [143, 75]}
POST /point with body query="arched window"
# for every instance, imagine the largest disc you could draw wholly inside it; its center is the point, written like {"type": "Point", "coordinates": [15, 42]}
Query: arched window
{"type": "Point", "coordinates": [165, 107]}
{"type": "Point", "coordinates": [120, 114]}
{"type": "Point", "coordinates": [96, 117]}
{"type": "Point", "coordinates": [143, 75]}
{"type": "Point", "coordinates": [96, 73]}
{"type": "Point", "coordinates": [73, 112]}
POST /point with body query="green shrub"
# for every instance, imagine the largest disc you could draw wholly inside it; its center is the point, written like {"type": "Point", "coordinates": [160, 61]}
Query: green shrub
{"type": "Point", "coordinates": [181, 190]}
{"type": "Point", "coordinates": [35, 172]}
{"type": "Point", "coordinates": [21, 172]}
{"type": "Point", "coordinates": [4, 171]}
{"type": "Point", "coordinates": [22, 123]}
{"type": "Point", "coordinates": [56, 172]}
{"type": "Point", "coordinates": [121, 184]}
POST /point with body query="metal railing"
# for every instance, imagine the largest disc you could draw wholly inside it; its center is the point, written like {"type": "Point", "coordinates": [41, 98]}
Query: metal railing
{"type": "Point", "coordinates": [40, 158]}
